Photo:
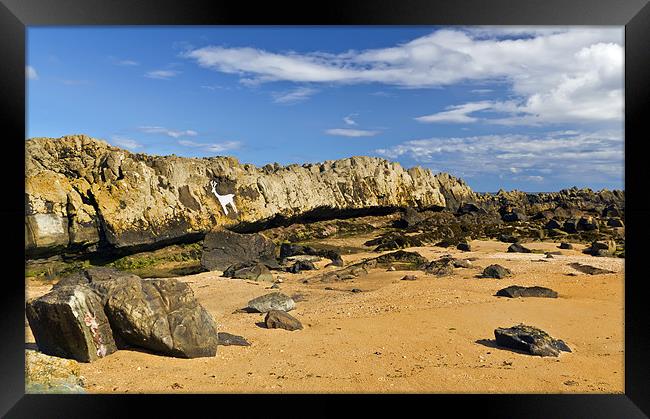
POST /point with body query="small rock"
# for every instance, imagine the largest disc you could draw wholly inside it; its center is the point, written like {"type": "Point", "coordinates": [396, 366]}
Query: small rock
{"type": "Point", "coordinates": [253, 271]}
{"type": "Point", "coordinates": [514, 291]}
{"type": "Point", "coordinates": [226, 339]}
{"type": "Point", "coordinates": [566, 245]}
{"type": "Point", "coordinates": [356, 290]}
{"type": "Point", "coordinates": [302, 265]}
{"type": "Point", "coordinates": [529, 339]}
{"type": "Point", "coordinates": [465, 247]}
{"type": "Point", "coordinates": [588, 269]}
{"type": "Point", "coordinates": [272, 301]}
{"type": "Point", "coordinates": [518, 248]}
{"type": "Point", "coordinates": [496, 271]}
{"type": "Point", "coordinates": [409, 278]}
{"type": "Point", "coordinates": [462, 263]}
{"type": "Point", "coordinates": [276, 319]}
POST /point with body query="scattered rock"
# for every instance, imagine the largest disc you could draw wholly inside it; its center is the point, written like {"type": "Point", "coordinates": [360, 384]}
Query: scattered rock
{"type": "Point", "coordinates": [287, 250]}
{"type": "Point", "coordinates": [553, 224]}
{"type": "Point", "coordinates": [571, 226]}
{"type": "Point", "coordinates": [227, 339]}
{"type": "Point", "coordinates": [515, 214]}
{"type": "Point", "coordinates": [401, 256]}
{"type": "Point", "coordinates": [601, 248]}
{"type": "Point", "coordinates": [465, 247]}
{"type": "Point", "coordinates": [409, 278]}
{"type": "Point", "coordinates": [254, 271]}
{"type": "Point", "coordinates": [468, 208]}
{"type": "Point", "coordinates": [529, 339]}
{"type": "Point", "coordinates": [509, 238]}
{"type": "Point", "coordinates": [587, 223]}
{"type": "Point", "coordinates": [70, 322]}
{"type": "Point", "coordinates": [356, 290]}
{"type": "Point", "coordinates": [615, 222]}
{"type": "Point", "coordinates": [588, 269]}
{"type": "Point", "coordinates": [303, 265]}
{"type": "Point", "coordinates": [410, 217]}
{"type": "Point", "coordinates": [515, 291]}
{"type": "Point", "coordinates": [223, 248]}
{"type": "Point", "coordinates": [518, 248]}
{"type": "Point", "coordinates": [496, 271]}
{"type": "Point", "coordinates": [272, 301]}
{"type": "Point", "coordinates": [277, 319]}
{"type": "Point", "coordinates": [566, 245]}
{"type": "Point", "coordinates": [440, 267]}
{"type": "Point", "coordinates": [48, 374]}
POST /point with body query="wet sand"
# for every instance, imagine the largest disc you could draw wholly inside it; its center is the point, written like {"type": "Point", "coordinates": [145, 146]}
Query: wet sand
{"type": "Point", "coordinates": [432, 335]}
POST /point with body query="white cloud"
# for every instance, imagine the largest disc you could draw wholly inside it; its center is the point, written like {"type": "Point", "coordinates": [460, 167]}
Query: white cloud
{"type": "Point", "coordinates": [212, 147]}
{"type": "Point", "coordinates": [592, 156]}
{"type": "Point", "coordinates": [456, 114]}
{"type": "Point", "coordinates": [127, 63]}
{"type": "Point", "coordinates": [557, 74]}
{"type": "Point", "coordinates": [30, 73]}
{"type": "Point", "coordinates": [349, 121]}
{"type": "Point", "coordinates": [345, 132]}
{"type": "Point", "coordinates": [169, 132]}
{"type": "Point", "coordinates": [162, 74]}
{"type": "Point", "coordinates": [125, 142]}
{"type": "Point", "coordinates": [293, 96]}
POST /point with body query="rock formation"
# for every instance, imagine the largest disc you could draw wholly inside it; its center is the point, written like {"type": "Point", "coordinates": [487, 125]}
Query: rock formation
{"type": "Point", "coordinates": [81, 193]}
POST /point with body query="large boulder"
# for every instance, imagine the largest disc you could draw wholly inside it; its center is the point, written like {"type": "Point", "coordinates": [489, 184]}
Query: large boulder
{"type": "Point", "coordinates": [223, 248]}
{"type": "Point", "coordinates": [70, 322]}
{"type": "Point", "coordinates": [529, 339]}
{"type": "Point", "coordinates": [163, 316]}
{"type": "Point", "coordinates": [410, 217]}
{"type": "Point", "coordinates": [518, 248]}
{"type": "Point", "coordinates": [272, 301]}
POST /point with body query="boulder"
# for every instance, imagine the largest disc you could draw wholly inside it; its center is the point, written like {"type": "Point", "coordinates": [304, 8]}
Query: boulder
{"type": "Point", "coordinates": [601, 248]}
{"type": "Point", "coordinates": [272, 301]}
{"type": "Point", "coordinates": [587, 223]}
{"type": "Point", "coordinates": [615, 222]}
{"type": "Point", "coordinates": [277, 319]}
{"type": "Point", "coordinates": [571, 226]}
{"type": "Point", "coordinates": [515, 291]}
{"type": "Point", "coordinates": [518, 248]}
{"type": "Point", "coordinates": [465, 247]}
{"type": "Point", "coordinates": [288, 250]}
{"type": "Point", "coordinates": [254, 271]}
{"type": "Point", "coordinates": [70, 322]}
{"type": "Point", "coordinates": [302, 265]}
{"type": "Point", "coordinates": [509, 238]}
{"type": "Point", "coordinates": [496, 271]}
{"type": "Point", "coordinates": [410, 217]}
{"type": "Point", "coordinates": [564, 245]}
{"type": "Point", "coordinates": [514, 215]}
{"type": "Point", "coordinates": [227, 339]}
{"type": "Point", "coordinates": [440, 267]}
{"type": "Point", "coordinates": [553, 224]}
{"type": "Point", "coordinates": [223, 248]}
{"type": "Point", "coordinates": [469, 208]}
{"type": "Point", "coordinates": [49, 374]}
{"type": "Point", "coordinates": [163, 316]}
{"type": "Point", "coordinates": [529, 339]}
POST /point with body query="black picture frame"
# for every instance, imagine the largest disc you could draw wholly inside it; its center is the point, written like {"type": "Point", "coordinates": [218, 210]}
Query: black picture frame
{"type": "Point", "coordinates": [16, 15]}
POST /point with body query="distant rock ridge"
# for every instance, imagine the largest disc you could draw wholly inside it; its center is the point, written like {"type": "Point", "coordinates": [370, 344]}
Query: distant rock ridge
{"type": "Point", "coordinates": [82, 194]}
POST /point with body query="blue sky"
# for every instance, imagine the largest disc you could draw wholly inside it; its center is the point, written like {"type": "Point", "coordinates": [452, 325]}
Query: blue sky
{"type": "Point", "coordinates": [529, 108]}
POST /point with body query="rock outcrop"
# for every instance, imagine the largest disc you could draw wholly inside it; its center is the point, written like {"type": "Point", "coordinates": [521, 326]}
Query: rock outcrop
{"type": "Point", "coordinates": [82, 194]}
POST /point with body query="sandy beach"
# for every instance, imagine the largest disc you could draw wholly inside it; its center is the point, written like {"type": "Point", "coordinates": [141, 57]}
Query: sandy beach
{"type": "Point", "coordinates": [431, 335]}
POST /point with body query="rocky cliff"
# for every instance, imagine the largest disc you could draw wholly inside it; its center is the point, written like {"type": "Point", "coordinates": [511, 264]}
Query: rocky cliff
{"type": "Point", "coordinates": [81, 194]}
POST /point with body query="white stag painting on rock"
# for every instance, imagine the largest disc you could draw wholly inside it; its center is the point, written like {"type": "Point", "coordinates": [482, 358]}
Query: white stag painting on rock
{"type": "Point", "coordinates": [224, 200]}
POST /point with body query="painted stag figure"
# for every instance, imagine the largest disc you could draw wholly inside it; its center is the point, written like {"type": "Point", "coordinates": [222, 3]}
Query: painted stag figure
{"type": "Point", "coordinates": [224, 200]}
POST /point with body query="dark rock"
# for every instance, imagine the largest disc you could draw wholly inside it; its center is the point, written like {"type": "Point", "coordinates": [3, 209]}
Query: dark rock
{"type": "Point", "coordinates": [566, 245]}
{"type": "Point", "coordinates": [277, 319]}
{"type": "Point", "coordinates": [100, 279]}
{"type": "Point", "coordinates": [529, 339]}
{"type": "Point", "coordinates": [556, 232]}
{"type": "Point", "coordinates": [462, 263]}
{"type": "Point", "coordinates": [409, 278]}
{"type": "Point", "coordinates": [601, 248]}
{"type": "Point", "coordinates": [571, 226]}
{"type": "Point", "coordinates": [401, 256]}
{"type": "Point", "coordinates": [496, 271]}
{"type": "Point", "coordinates": [514, 291]}
{"type": "Point", "coordinates": [272, 301]}
{"type": "Point", "coordinates": [410, 217]}
{"type": "Point", "coordinates": [223, 248]}
{"type": "Point", "coordinates": [509, 238]}
{"type": "Point", "coordinates": [518, 248]}
{"type": "Point", "coordinates": [70, 322]}
{"type": "Point", "coordinates": [287, 250]}
{"type": "Point", "coordinates": [440, 267]}
{"type": "Point", "coordinates": [465, 247]}
{"type": "Point", "coordinates": [514, 215]}
{"type": "Point", "coordinates": [588, 269]}
{"type": "Point", "coordinates": [553, 224]}
{"type": "Point", "coordinates": [469, 208]}
{"type": "Point", "coordinates": [302, 265]}
{"type": "Point", "coordinates": [615, 222]}
{"type": "Point", "coordinates": [253, 271]}
{"type": "Point", "coordinates": [355, 290]}
{"type": "Point", "coordinates": [612, 211]}
{"type": "Point", "coordinates": [587, 223]}
{"type": "Point", "coordinates": [162, 315]}
{"type": "Point", "coordinates": [226, 339]}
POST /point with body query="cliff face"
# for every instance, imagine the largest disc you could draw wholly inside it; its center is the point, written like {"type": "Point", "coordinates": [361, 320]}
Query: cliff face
{"type": "Point", "coordinates": [81, 193]}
